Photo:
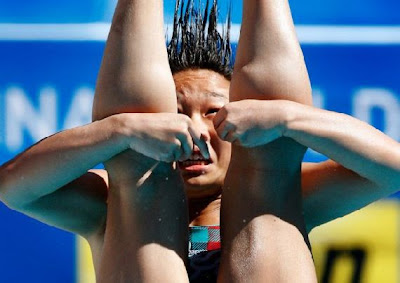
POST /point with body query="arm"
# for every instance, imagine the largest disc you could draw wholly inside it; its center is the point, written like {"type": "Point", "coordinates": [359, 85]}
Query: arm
{"type": "Point", "coordinates": [365, 163]}
{"type": "Point", "coordinates": [348, 141]}
{"type": "Point", "coordinates": [330, 190]}
{"type": "Point", "coordinates": [79, 207]}
{"type": "Point", "coordinates": [44, 178]}
{"type": "Point", "coordinates": [50, 182]}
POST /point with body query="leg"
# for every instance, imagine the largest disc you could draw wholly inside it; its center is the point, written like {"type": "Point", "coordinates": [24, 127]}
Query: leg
{"type": "Point", "coordinates": [146, 233]}
{"type": "Point", "coordinates": [263, 231]}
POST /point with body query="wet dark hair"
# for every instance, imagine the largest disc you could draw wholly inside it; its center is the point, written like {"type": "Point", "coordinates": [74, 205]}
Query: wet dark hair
{"type": "Point", "coordinates": [196, 43]}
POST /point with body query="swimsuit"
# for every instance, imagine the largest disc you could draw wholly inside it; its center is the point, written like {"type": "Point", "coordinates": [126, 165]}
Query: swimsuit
{"type": "Point", "coordinates": [204, 253]}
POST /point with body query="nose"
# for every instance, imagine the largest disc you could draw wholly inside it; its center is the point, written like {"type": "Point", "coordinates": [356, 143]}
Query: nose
{"type": "Point", "coordinates": [202, 127]}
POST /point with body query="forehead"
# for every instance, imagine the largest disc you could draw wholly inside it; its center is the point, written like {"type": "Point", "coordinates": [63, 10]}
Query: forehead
{"type": "Point", "coordinates": [201, 84]}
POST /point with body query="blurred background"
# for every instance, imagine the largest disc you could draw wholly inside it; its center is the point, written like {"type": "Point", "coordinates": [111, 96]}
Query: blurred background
{"type": "Point", "coordinates": [50, 52]}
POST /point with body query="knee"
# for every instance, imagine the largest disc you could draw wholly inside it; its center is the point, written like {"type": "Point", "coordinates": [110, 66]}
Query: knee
{"type": "Point", "coordinates": [277, 80]}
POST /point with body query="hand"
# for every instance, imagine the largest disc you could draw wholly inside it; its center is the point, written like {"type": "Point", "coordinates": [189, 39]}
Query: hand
{"type": "Point", "coordinates": [164, 137]}
{"type": "Point", "coordinates": [250, 123]}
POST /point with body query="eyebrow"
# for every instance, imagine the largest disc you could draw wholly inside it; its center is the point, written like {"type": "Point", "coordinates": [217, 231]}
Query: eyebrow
{"type": "Point", "coordinates": [212, 94]}
{"type": "Point", "coordinates": [217, 95]}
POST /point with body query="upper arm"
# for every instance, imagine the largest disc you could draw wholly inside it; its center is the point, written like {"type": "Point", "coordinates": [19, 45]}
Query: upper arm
{"type": "Point", "coordinates": [79, 207]}
{"type": "Point", "coordinates": [331, 191]}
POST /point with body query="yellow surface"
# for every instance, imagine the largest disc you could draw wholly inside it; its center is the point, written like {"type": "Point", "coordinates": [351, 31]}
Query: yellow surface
{"type": "Point", "coordinates": [85, 271]}
{"type": "Point", "coordinates": [373, 230]}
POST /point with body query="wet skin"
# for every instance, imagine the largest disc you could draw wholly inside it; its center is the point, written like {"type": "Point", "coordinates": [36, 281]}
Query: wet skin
{"type": "Point", "coordinates": [159, 203]}
{"type": "Point", "coordinates": [200, 95]}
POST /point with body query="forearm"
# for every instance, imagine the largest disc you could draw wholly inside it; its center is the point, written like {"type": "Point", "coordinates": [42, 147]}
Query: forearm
{"type": "Point", "coordinates": [135, 69]}
{"type": "Point", "coordinates": [58, 160]}
{"type": "Point", "coordinates": [270, 63]}
{"type": "Point", "coordinates": [348, 141]}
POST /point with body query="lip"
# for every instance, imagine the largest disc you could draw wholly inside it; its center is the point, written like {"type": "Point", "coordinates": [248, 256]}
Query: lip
{"type": "Point", "coordinates": [195, 167]}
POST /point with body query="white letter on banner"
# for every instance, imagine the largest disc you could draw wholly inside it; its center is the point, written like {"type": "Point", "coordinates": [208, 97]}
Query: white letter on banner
{"type": "Point", "coordinates": [80, 112]}
{"type": "Point", "coordinates": [365, 100]}
{"type": "Point", "coordinates": [318, 98]}
{"type": "Point", "coordinates": [22, 116]}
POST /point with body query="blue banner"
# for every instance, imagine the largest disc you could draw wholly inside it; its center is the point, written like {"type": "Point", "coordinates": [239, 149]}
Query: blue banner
{"type": "Point", "coordinates": [328, 12]}
{"type": "Point", "coordinates": [48, 85]}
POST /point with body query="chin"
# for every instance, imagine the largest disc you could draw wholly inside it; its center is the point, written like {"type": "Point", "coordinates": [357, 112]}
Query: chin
{"type": "Point", "coordinates": [200, 179]}
{"type": "Point", "coordinates": [201, 186]}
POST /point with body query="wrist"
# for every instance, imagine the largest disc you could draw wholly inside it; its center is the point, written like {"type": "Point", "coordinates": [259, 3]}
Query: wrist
{"type": "Point", "coordinates": [120, 126]}
{"type": "Point", "coordinates": [289, 115]}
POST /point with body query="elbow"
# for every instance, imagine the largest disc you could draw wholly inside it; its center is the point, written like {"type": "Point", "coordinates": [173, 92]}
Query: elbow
{"type": "Point", "coordinates": [5, 196]}
{"type": "Point", "coordinates": [11, 201]}
{"type": "Point", "coordinates": [7, 193]}
{"type": "Point", "coordinates": [396, 185]}
{"type": "Point", "coordinates": [3, 187]}
{"type": "Point", "coordinates": [389, 184]}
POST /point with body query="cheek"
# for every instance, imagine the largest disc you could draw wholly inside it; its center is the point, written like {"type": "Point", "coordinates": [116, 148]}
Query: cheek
{"type": "Point", "coordinates": [226, 154]}
{"type": "Point", "coordinates": [223, 150]}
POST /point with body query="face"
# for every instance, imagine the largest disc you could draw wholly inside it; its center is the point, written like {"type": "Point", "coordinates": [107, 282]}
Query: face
{"type": "Point", "coordinates": [201, 93]}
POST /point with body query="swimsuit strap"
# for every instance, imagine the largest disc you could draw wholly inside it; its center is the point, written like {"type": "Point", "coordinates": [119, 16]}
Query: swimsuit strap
{"type": "Point", "coordinates": [204, 238]}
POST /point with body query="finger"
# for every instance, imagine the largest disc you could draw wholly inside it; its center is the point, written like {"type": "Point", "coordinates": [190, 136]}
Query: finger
{"type": "Point", "coordinates": [219, 117]}
{"type": "Point", "coordinates": [199, 140]}
{"type": "Point", "coordinates": [223, 130]}
{"type": "Point", "coordinates": [177, 151]}
{"type": "Point", "coordinates": [203, 147]}
{"type": "Point", "coordinates": [238, 143]}
{"type": "Point", "coordinates": [231, 137]}
{"type": "Point", "coordinates": [187, 146]}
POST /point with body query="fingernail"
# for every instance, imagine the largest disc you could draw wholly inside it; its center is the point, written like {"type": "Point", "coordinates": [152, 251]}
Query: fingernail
{"type": "Point", "coordinates": [208, 154]}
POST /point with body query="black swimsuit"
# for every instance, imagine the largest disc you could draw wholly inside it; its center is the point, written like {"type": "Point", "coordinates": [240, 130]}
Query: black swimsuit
{"type": "Point", "coordinates": [204, 253]}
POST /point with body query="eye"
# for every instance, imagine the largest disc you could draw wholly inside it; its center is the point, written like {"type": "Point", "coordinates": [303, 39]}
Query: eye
{"type": "Point", "coordinates": [212, 111]}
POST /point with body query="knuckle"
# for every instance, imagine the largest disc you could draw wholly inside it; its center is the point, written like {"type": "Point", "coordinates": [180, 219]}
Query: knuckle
{"type": "Point", "coordinates": [188, 138]}
{"type": "Point", "coordinates": [185, 120]}
{"type": "Point", "coordinates": [176, 144]}
{"type": "Point", "coordinates": [227, 109]}
{"type": "Point", "coordinates": [174, 147]}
